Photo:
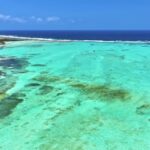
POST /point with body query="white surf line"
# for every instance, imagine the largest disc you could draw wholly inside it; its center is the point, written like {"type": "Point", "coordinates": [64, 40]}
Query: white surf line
{"type": "Point", "coordinates": [67, 40]}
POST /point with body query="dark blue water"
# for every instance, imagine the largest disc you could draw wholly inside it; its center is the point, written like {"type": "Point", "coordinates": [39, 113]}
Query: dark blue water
{"type": "Point", "coordinates": [85, 35]}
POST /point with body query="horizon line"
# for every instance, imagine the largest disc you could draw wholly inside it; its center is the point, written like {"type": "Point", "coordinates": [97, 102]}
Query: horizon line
{"type": "Point", "coordinates": [74, 30]}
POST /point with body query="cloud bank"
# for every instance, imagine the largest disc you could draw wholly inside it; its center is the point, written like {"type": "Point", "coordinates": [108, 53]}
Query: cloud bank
{"type": "Point", "coordinates": [9, 18]}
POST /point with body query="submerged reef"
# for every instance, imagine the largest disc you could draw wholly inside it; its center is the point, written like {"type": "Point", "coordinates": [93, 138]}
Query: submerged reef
{"type": "Point", "coordinates": [8, 103]}
{"type": "Point", "coordinates": [11, 62]}
{"type": "Point", "coordinates": [7, 83]}
{"type": "Point", "coordinates": [33, 85]}
{"type": "Point", "coordinates": [75, 126]}
{"type": "Point", "coordinates": [143, 109]}
{"type": "Point", "coordinates": [46, 78]}
{"type": "Point", "coordinates": [2, 74]}
{"type": "Point", "coordinates": [2, 96]}
{"type": "Point", "coordinates": [45, 89]}
{"type": "Point", "coordinates": [94, 91]}
{"type": "Point", "coordinates": [102, 91]}
{"type": "Point", "coordinates": [39, 65]}
{"type": "Point", "coordinates": [9, 68]}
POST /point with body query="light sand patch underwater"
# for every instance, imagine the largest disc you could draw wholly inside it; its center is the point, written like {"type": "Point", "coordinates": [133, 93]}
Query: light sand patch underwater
{"type": "Point", "coordinates": [74, 96]}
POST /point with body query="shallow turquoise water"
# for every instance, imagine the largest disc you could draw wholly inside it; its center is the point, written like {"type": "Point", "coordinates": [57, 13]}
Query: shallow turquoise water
{"type": "Point", "coordinates": [75, 96]}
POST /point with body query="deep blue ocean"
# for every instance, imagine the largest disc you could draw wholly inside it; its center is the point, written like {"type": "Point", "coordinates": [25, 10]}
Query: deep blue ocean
{"type": "Point", "coordinates": [84, 35]}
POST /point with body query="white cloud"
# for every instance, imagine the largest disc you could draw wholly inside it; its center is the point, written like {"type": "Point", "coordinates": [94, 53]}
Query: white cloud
{"type": "Point", "coordinates": [52, 19]}
{"type": "Point", "coordinates": [8, 18]}
{"type": "Point", "coordinates": [44, 19]}
{"type": "Point", "coordinates": [19, 20]}
{"type": "Point", "coordinates": [32, 17]}
{"type": "Point", "coordinates": [39, 19]}
{"type": "Point", "coordinates": [36, 19]}
{"type": "Point", "coordinates": [11, 19]}
{"type": "Point", "coordinates": [4, 17]}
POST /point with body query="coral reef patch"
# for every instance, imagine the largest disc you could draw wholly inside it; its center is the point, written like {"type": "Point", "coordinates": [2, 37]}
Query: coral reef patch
{"type": "Point", "coordinates": [8, 103]}
{"type": "Point", "coordinates": [11, 62]}
{"type": "Point", "coordinates": [143, 109]}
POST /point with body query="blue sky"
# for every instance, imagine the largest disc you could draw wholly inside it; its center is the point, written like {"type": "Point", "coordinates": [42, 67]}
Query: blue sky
{"type": "Point", "coordinates": [74, 14]}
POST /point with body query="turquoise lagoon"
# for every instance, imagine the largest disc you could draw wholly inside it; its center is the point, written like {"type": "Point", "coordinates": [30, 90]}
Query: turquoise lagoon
{"type": "Point", "coordinates": [74, 95]}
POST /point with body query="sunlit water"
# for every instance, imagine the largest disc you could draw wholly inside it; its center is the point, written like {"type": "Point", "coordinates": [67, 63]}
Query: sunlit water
{"type": "Point", "coordinates": [74, 96]}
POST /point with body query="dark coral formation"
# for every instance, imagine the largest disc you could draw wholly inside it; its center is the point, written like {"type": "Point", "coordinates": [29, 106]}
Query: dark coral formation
{"type": "Point", "coordinates": [2, 73]}
{"type": "Point", "coordinates": [11, 62]}
{"type": "Point", "coordinates": [6, 84]}
{"type": "Point", "coordinates": [9, 67]}
{"type": "Point", "coordinates": [102, 91]}
{"type": "Point", "coordinates": [143, 109]}
{"type": "Point", "coordinates": [39, 65]}
{"type": "Point", "coordinates": [33, 85]}
{"type": "Point", "coordinates": [2, 96]}
{"type": "Point", "coordinates": [8, 103]}
{"type": "Point", "coordinates": [46, 78]}
{"type": "Point", "coordinates": [46, 89]}
{"type": "Point", "coordinates": [43, 81]}
{"type": "Point", "coordinates": [94, 91]}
